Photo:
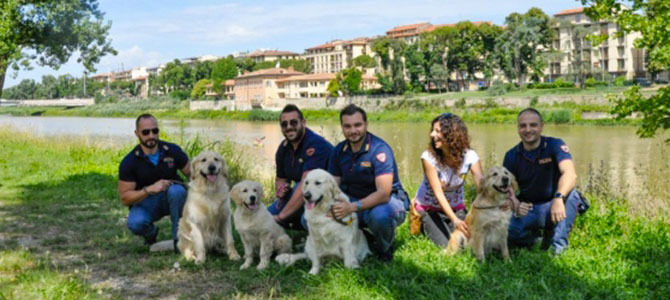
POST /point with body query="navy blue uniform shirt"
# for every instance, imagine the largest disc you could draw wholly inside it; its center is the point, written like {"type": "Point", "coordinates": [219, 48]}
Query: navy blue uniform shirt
{"type": "Point", "coordinates": [537, 171]}
{"type": "Point", "coordinates": [136, 167]}
{"type": "Point", "coordinates": [358, 171]}
{"type": "Point", "coordinates": [312, 153]}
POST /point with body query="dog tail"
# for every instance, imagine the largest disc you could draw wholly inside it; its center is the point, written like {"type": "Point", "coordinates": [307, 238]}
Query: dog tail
{"type": "Point", "coordinates": [284, 244]}
{"type": "Point", "coordinates": [456, 242]}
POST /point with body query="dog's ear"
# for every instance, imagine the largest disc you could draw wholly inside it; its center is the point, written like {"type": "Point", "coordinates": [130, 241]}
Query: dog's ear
{"type": "Point", "coordinates": [515, 185]}
{"type": "Point", "coordinates": [482, 189]}
{"type": "Point", "coordinates": [234, 192]}
{"type": "Point", "coordinates": [194, 166]}
{"type": "Point", "coordinates": [333, 189]}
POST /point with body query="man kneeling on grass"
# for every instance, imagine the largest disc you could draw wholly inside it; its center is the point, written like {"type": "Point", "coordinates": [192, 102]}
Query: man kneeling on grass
{"type": "Point", "coordinates": [546, 175]}
{"type": "Point", "coordinates": [149, 184]}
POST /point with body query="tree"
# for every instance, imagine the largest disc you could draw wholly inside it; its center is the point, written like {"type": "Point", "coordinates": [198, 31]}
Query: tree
{"type": "Point", "coordinates": [519, 46]}
{"type": "Point", "coordinates": [651, 18]}
{"type": "Point", "coordinates": [414, 65]}
{"type": "Point", "coordinates": [300, 65]}
{"type": "Point", "coordinates": [50, 32]}
{"type": "Point", "coordinates": [439, 75]}
{"type": "Point", "coordinates": [175, 76]}
{"type": "Point", "coordinates": [224, 69]}
{"type": "Point", "coordinates": [199, 89]}
{"type": "Point", "coordinates": [364, 61]}
{"type": "Point", "coordinates": [202, 70]}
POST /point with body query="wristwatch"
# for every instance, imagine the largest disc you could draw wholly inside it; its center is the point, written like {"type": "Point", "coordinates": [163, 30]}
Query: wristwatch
{"type": "Point", "coordinates": [359, 206]}
{"type": "Point", "coordinates": [559, 195]}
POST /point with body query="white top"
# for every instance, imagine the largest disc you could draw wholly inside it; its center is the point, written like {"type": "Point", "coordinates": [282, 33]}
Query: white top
{"type": "Point", "coordinates": [452, 184]}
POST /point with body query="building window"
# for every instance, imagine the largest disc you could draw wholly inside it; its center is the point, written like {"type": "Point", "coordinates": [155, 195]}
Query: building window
{"type": "Point", "coordinates": [621, 52]}
{"type": "Point", "coordinates": [578, 18]}
{"type": "Point", "coordinates": [268, 83]}
{"type": "Point", "coordinates": [621, 64]}
{"type": "Point", "coordinates": [303, 84]}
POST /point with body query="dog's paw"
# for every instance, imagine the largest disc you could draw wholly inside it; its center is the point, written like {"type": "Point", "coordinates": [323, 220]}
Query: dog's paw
{"type": "Point", "coordinates": [283, 259]}
{"type": "Point", "coordinates": [245, 265]}
{"type": "Point", "coordinates": [262, 265]}
{"type": "Point", "coordinates": [233, 255]}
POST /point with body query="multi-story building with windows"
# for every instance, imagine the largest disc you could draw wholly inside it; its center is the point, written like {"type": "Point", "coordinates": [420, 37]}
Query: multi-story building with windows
{"type": "Point", "coordinates": [336, 55]}
{"type": "Point", "coordinates": [315, 85]}
{"type": "Point", "coordinates": [272, 55]}
{"type": "Point", "coordinates": [259, 88]}
{"type": "Point", "coordinates": [617, 56]}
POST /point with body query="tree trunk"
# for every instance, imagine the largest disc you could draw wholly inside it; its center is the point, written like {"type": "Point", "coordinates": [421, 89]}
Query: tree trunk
{"type": "Point", "coordinates": [3, 71]}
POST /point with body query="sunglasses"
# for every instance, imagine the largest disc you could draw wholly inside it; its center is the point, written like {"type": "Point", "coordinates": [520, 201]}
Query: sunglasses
{"type": "Point", "coordinates": [147, 131]}
{"type": "Point", "coordinates": [284, 124]}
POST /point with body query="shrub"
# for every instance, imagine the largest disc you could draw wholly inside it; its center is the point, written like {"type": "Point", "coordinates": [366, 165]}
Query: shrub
{"type": "Point", "coordinates": [533, 101]}
{"type": "Point", "coordinates": [593, 83]}
{"type": "Point", "coordinates": [181, 95]}
{"type": "Point", "coordinates": [560, 83]}
{"type": "Point", "coordinates": [460, 103]}
{"type": "Point", "coordinates": [619, 81]}
{"type": "Point", "coordinates": [562, 116]}
{"type": "Point", "coordinates": [263, 115]}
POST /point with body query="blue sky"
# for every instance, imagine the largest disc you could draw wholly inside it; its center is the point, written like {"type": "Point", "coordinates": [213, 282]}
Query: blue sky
{"type": "Point", "coordinates": [148, 33]}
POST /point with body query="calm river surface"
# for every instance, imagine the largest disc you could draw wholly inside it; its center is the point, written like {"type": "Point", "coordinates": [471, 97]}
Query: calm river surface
{"type": "Point", "coordinates": [635, 167]}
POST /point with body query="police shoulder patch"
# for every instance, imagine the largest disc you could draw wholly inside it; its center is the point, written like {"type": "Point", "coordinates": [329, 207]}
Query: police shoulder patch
{"type": "Point", "coordinates": [309, 151]}
{"type": "Point", "coordinates": [565, 148]}
{"type": "Point", "coordinates": [381, 157]}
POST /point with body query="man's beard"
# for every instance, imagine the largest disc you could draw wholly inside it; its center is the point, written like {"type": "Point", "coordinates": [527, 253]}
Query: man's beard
{"type": "Point", "coordinates": [299, 133]}
{"type": "Point", "coordinates": [150, 143]}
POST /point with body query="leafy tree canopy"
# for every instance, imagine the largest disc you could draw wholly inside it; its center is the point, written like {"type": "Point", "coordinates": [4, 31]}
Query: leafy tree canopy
{"type": "Point", "coordinates": [49, 32]}
{"type": "Point", "coordinates": [651, 18]}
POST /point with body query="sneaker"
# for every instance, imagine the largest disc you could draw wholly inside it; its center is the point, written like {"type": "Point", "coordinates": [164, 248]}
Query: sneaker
{"type": "Point", "coordinates": [557, 251]}
{"type": "Point", "coordinates": [152, 239]}
{"type": "Point", "coordinates": [386, 256]}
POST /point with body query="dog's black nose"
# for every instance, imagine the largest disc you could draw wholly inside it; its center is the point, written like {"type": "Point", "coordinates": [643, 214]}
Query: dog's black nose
{"type": "Point", "coordinates": [505, 180]}
{"type": "Point", "coordinates": [211, 168]}
{"type": "Point", "coordinates": [307, 195]}
{"type": "Point", "coordinates": [252, 198]}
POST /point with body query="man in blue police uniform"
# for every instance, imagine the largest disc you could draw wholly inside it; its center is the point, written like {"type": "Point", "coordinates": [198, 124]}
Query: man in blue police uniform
{"type": "Point", "coordinates": [546, 176]}
{"type": "Point", "coordinates": [301, 151]}
{"type": "Point", "coordinates": [148, 181]}
{"type": "Point", "coordinates": [365, 168]}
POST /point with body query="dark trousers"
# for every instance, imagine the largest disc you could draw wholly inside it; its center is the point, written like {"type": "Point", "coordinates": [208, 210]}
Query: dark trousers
{"type": "Point", "coordinates": [438, 227]}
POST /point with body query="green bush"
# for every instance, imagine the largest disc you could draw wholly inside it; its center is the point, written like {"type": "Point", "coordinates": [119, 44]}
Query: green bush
{"type": "Point", "coordinates": [619, 81]}
{"type": "Point", "coordinates": [561, 83]}
{"type": "Point", "coordinates": [562, 116]}
{"type": "Point", "coordinates": [593, 83]}
{"type": "Point", "coordinates": [181, 95]}
{"type": "Point", "coordinates": [263, 115]}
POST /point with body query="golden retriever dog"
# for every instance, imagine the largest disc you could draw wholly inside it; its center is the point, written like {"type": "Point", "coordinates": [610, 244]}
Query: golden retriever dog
{"type": "Point", "coordinates": [327, 236]}
{"type": "Point", "coordinates": [205, 221]}
{"type": "Point", "coordinates": [256, 226]}
{"type": "Point", "coordinates": [487, 221]}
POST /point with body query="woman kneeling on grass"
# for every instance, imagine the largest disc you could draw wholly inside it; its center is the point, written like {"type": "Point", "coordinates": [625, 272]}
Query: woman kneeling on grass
{"type": "Point", "coordinates": [440, 198]}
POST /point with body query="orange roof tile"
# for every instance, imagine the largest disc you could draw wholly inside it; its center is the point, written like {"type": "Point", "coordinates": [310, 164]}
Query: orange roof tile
{"type": "Point", "coordinates": [407, 27]}
{"type": "Point", "coordinates": [571, 11]}
{"type": "Point", "coordinates": [229, 82]}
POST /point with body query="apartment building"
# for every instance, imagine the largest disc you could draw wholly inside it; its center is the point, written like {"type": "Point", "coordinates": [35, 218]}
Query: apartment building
{"type": "Point", "coordinates": [617, 56]}
{"type": "Point", "coordinates": [412, 32]}
{"type": "Point", "coordinates": [315, 85]}
{"type": "Point", "coordinates": [337, 55]}
{"type": "Point", "coordinates": [259, 88]}
{"type": "Point", "coordinates": [271, 55]}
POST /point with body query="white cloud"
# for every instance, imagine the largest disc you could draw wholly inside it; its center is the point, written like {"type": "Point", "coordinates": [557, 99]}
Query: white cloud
{"type": "Point", "coordinates": [130, 58]}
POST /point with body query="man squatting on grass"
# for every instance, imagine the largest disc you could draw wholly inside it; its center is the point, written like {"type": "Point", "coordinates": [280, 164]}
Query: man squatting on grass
{"type": "Point", "coordinates": [146, 177]}
{"type": "Point", "coordinates": [365, 168]}
{"type": "Point", "coordinates": [546, 176]}
{"type": "Point", "coordinates": [301, 151]}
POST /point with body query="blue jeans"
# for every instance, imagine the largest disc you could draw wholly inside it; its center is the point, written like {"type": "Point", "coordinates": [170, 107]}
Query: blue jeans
{"type": "Point", "coordinates": [143, 214]}
{"type": "Point", "coordinates": [381, 221]}
{"type": "Point", "coordinates": [292, 221]}
{"type": "Point", "coordinates": [524, 230]}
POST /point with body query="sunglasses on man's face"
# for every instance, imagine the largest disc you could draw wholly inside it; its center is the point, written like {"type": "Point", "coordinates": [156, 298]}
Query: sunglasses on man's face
{"type": "Point", "coordinates": [284, 124]}
{"type": "Point", "coordinates": [147, 131]}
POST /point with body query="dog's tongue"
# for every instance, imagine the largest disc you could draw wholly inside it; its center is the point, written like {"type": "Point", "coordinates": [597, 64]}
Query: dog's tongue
{"type": "Point", "coordinates": [251, 206]}
{"type": "Point", "coordinates": [309, 205]}
{"type": "Point", "coordinates": [211, 177]}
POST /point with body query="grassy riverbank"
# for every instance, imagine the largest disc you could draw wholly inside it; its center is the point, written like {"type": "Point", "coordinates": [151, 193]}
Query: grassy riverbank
{"type": "Point", "coordinates": [63, 236]}
{"type": "Point", "coordinates": [399, 110]}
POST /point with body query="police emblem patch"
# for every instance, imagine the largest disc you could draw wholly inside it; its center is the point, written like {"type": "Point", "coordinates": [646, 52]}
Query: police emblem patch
{"type": "Point", "coordinates": [309, 151]}
{"type": "Point", "coordinates": [169, 161]}
{"type": "Point", "coordinates": [381, 157]}
{"type": "Point", "coordinates": [565, 148]}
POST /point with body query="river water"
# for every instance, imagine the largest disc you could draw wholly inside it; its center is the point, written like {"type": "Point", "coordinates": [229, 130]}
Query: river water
{"type": "Point", "coordinates": [612, 156]}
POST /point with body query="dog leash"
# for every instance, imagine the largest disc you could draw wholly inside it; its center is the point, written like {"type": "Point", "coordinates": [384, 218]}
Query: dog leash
{"type": "Point", "coordinates": [339, 220]}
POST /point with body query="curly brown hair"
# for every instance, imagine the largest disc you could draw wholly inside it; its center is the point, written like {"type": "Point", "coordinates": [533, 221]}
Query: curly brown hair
{"type": "Point", "coordinates": [455, 133]}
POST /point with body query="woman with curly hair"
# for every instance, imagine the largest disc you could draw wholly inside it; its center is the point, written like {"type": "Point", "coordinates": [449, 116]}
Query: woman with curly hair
{"type": "Point", "coordinates": [440, 198]}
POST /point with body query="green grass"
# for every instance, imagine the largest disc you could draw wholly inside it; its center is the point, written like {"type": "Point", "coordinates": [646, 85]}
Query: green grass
{"type": "Point", "coordinates": [63, 236]}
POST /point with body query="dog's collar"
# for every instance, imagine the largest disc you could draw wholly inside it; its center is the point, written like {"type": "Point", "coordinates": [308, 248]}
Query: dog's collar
{"type": "Point", "coordinates": [347, 223]}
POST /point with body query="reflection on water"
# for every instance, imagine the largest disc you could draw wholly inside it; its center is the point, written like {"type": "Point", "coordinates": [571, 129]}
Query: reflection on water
{"type": "Point", "coordinates": [633, 166]}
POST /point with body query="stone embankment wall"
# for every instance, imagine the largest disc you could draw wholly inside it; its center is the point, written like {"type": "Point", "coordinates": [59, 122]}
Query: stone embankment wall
{"type": "Point", "coordinates": [376, 103]}
{"type": "Point", "coordinates": [51, 102]}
